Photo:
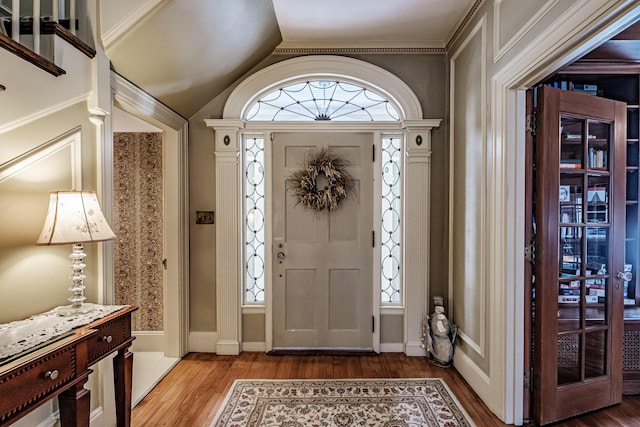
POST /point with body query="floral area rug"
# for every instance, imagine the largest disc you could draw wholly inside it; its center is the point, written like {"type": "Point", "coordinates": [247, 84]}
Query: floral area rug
{"type": "Point", "coordinates": [358, 402]}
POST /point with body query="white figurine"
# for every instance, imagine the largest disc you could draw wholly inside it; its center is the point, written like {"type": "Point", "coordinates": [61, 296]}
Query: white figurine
{"type": "Point", "coordinates": [440, 336]}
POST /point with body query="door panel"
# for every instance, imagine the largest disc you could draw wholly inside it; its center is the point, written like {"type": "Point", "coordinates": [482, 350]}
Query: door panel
{"type": "Point", "coordinates": [300, 299]}
{"type": "Point", "coordinates": [322, 283]}
{"type": "Point", "coordinates": [580, 208]}
{"type": "Point", "coordinates": [343, 300]}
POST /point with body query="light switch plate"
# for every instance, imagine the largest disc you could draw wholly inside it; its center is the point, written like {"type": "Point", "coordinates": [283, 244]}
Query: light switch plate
{"type": "Point", "coordinates": [205, 217]}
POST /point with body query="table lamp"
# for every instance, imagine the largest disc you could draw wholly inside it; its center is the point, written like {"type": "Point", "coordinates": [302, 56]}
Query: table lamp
{"type": "Point", "coordinates": [75, 217]}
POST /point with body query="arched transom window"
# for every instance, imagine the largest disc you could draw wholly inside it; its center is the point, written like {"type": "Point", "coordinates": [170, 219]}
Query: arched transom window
{"type": "Point", "coordinates": [323, 100]}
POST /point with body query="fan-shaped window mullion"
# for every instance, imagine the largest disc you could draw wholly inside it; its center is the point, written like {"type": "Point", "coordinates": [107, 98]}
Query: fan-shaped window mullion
{"type": "Point", "coordinates": [322, 100]}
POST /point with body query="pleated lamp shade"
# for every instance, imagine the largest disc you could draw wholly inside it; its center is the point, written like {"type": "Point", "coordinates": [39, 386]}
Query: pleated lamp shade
{"type": "Point", "coordinates": [74, 217]}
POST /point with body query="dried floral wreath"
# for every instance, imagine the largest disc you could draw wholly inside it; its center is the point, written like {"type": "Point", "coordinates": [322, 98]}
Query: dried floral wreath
{"type": "Point", "coordinates": [304, 181]}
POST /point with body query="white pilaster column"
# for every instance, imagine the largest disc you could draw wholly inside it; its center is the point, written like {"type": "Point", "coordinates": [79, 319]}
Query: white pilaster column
{"type": "Point", "coordinates": [417, 207]}
{"type": "Point", "coordinates": [228, 234]}
{"type": "Point", "coordinates": [104, 189]}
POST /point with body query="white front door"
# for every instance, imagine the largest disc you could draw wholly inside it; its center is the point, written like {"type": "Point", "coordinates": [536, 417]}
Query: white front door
{"type": "Point", "coordinates": [322, 284]}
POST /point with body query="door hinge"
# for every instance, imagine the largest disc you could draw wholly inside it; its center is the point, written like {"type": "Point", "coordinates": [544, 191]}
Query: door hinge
{"type": "Point", "coordinates": [531, 123]}
{"type": "Point", "coordinates": [526, 382]}
{"type": "Point", "coordinates": [373, 239]}
{"type": "Point", "coordinates": [373, 152]}
{"type": "Point", "coordinates": [373, 324]}
{"type": "Point", "coordinates": [530, 252]}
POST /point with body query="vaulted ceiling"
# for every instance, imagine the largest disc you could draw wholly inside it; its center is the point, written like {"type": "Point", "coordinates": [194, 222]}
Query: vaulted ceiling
{"type": "Point", "coordinates": [186, 52]}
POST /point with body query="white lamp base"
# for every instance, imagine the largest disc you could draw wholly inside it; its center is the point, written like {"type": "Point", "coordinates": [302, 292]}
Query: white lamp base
{"type": "Point", "coordinates": [71, 310]}
{"type": "Point", "coordinates": [77, 287]}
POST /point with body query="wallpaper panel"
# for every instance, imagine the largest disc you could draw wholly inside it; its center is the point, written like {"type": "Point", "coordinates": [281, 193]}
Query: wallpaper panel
{"type": "Point", "coordinates": [138, 222]}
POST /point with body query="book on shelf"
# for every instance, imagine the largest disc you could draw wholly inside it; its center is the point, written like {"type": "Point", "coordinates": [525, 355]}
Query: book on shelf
{"type": "Point", "coordinates": [574, 284]}
{"type": "Point", "coordinates": [576, 136]}
{"type": "Point", "coordinates": [587, 89]}
{"type": "Point", "coordinates": [585, 86]}
{"type": "Point", "coordinates": [569, 291]}
{"type": "Point", "coordinates": [596, 194]}
{"type": "Point", "coordinates": [625, 292]}
{"type": "Point", "coordinates": [597, 158]}
{"type": "Point", "coordinates": [567, 164]}
{"type": "Point", "coordinates": [568, 299]}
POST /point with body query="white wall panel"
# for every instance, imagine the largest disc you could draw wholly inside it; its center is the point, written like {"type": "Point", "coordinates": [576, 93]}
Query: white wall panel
{"type": "Point", "coordinates": [30, 273]}
{"type": "Point", "coordinates": [469, 187]}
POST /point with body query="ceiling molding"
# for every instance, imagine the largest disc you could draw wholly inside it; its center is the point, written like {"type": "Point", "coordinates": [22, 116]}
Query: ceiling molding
{"type": "Point", "coordinates": [358, 50]}
{"type": "Point", "coordinates": [464, 22]}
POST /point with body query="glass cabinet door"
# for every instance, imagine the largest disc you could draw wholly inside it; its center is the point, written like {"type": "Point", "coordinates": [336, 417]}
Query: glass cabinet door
{"type": "Point", "coordinates": [580, 207]}
{"type": "Point", "coordinates": [583, 242]}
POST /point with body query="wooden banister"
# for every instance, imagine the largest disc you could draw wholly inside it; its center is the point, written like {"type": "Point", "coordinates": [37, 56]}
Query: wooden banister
{"type": "Point", "coordinates": [47, 26]}
{"type": "Point", "coordinates": [30, 56]}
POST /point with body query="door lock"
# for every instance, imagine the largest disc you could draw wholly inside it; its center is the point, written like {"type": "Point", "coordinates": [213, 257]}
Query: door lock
{"type": "Point", "coordinates": [280, 256]}
{"type": "Point", "coordinates": [626, 276]}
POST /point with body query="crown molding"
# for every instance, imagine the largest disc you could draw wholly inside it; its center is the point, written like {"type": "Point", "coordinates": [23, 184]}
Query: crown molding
{"type": "Point", "coordinates": [462, 24]}
{"type": "Point", "coordinates": [284, 50]}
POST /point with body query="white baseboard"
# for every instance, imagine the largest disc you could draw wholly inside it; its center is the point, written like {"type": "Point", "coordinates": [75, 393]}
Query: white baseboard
{"type": "Point", "coordinates": [254, 346]}
{"type": "Point", "coordinates": [477, 379]}
{"type": "Point", "coordinates": [207, 342]}
{"type": "Point", "coordinates": [228, 347]}
{"type": "Point", "coordinates": [203, 342]}
{"type": "Point", "coordinates": [97, 417]}
{"type": "Point", "coordinates": [50, 421]}
{"type": "Point", "coordinates": [148, 341]}
{"type": "Point", "coordinates": [391, 347]}
{"type": "Point", "coordinates": [414, 349]}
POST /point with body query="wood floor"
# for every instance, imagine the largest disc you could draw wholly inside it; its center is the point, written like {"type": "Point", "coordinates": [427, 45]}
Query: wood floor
{"type": "Point", "coordinates": [191, 394]}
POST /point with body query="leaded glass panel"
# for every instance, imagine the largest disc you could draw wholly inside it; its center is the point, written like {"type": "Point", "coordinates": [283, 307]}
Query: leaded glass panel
{"type": "Point", "coordinates": [323, 100]}
{"type": "Point", "coordinates": [391, 220]}
{"type": "Point", "coordinates": [254, 220]}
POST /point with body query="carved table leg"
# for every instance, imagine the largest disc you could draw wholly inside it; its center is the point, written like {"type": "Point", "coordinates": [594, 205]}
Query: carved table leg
{"type": "Point", "coordinates": [75, 407]}
{"type": "Point", "coordinates": [122, 378]}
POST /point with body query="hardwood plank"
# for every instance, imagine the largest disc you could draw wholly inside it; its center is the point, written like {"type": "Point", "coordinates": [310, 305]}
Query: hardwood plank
{"type": "Point", "coordinates": [191, 394]}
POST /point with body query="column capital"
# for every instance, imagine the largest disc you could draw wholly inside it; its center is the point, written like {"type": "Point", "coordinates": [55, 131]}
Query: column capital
{"type": "Point", "coordinates": [224, 124]}
{"type": "Point", "coordinates": [226, 133]}
{"type": "Point", "coordinates": [421, 125]}
{"type": "Point", "coordinates": [418, 136]}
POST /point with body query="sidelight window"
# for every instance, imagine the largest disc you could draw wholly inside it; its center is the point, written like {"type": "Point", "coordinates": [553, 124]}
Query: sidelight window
{"type": "Point", "coordinates": [390, 231]}
{"type": "Point", "coordinates": [254, 224]}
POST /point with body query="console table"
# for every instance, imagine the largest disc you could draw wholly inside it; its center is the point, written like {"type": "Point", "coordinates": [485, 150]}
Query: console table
{"type": "Point", "coordinates": [61, 369]}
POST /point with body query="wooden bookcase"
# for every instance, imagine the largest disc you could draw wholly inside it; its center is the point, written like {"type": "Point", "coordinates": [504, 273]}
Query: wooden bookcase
{"type": "Point", "coordinates": [620, 82]}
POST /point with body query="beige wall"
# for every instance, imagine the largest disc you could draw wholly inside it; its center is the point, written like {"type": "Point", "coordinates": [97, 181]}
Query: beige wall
{"type": "Point", "coordinates": [35, 278]}
{"type": "Point", "coordinates": [425, 74]}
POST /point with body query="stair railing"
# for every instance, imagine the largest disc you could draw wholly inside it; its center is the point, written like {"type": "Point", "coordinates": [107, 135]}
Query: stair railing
{"type": "Point", "coordinates": [56, 7]}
